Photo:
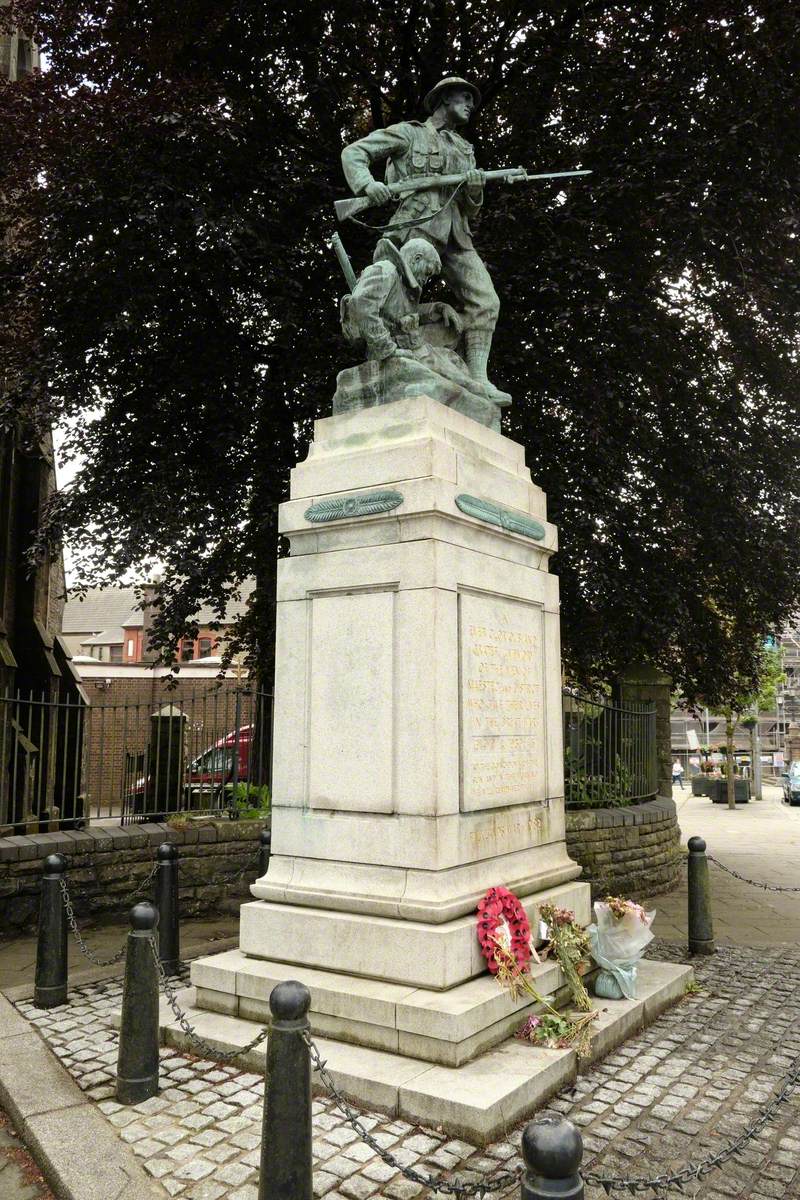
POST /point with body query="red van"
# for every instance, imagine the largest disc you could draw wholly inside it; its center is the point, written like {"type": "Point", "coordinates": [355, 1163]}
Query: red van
{"type": "Point", "coordinates": [209, 779]}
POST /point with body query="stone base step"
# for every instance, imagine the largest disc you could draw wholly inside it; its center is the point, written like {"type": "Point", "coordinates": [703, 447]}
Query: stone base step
{"type": "Point", "coordinates": [446, 1028]}
{"type": "Point", "coordinates": [480, 1100]}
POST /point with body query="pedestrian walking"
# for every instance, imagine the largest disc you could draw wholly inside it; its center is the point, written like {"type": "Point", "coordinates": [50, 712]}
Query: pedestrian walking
{"type": "Point", "coordinates": [677, 774]}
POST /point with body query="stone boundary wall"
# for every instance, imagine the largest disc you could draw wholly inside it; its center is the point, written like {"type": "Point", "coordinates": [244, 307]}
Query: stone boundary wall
{"type": "Point", "coordinates": [630, 851]}
{"type": "Point", "coordinates": [107, 863]}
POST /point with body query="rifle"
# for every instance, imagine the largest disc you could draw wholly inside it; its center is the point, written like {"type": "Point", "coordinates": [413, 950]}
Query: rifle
{"type": "Point", "coordinates": [344, 261]}
{"type": "Point", "coordinates": [357, 204]}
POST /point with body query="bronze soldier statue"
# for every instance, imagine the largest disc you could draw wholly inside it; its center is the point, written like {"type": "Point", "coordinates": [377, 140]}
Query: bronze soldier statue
{"type": "Point", "coordinates": [441, 216]}
{"type": "Point", "coordinates": [385, 311]}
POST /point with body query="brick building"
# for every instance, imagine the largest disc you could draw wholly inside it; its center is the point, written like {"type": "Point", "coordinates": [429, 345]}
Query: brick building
{"type": "Point", "coordinates": [110, 625]}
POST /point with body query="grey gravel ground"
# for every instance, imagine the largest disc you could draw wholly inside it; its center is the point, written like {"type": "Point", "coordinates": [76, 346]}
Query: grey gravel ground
{"type": "Point", "coordinates": [674, 1095]}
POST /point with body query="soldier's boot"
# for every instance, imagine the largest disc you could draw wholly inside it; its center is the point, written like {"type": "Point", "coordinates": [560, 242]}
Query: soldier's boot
{"type": "Point", "coordinates": [477, 345]}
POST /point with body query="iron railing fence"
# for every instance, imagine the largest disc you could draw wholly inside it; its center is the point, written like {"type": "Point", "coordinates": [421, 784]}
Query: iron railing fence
{"type": "Point", "coordinates": [210, 750]}
{"type": "Point", "coordinates": [610, 756]}
{"type": "Point", "coordinates": [205, 750]}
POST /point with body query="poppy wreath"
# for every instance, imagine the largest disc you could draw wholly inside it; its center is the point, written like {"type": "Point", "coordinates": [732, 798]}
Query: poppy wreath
{"type": "Point", "coordinates": [501, 918]}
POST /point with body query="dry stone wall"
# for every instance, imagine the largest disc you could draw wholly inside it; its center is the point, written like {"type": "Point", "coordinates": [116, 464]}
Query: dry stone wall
{"type": "Point", "coordinates": [106, 864]}
{"type": "Point", "coordinates": [630, 851]}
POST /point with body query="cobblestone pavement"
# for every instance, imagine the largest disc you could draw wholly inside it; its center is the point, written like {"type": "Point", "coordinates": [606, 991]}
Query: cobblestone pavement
{"type": "Point", "coordinates": [677, 1093]}
{"type": "Point", "coordinates": [20, 1178]}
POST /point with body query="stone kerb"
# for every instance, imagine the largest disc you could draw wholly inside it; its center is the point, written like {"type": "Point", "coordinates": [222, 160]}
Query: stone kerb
{"type": "Point", "coordinates": [107, 863]}
{"type": "Point", "coordinates": [627, 851]}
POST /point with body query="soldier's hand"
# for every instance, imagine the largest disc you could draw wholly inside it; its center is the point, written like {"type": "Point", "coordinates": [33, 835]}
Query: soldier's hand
{"type": "Point", "coordinates": [377, 192]}
{"type": "Point", "coordinates": [475, 181]}
{"type": "Point", "coordinates": [450, 318]}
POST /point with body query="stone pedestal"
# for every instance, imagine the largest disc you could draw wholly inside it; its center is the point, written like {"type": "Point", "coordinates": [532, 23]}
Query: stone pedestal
{"type": "Point", "coordinates": [418, 761]}
{"type": "Point", "coordinates": [418, 733]}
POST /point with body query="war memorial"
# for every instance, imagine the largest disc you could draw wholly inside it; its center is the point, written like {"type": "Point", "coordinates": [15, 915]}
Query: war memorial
{"type": "Point", "coordinates": [418, 757]}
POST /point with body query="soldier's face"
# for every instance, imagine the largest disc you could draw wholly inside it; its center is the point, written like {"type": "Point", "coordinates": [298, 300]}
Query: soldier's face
{"type": "Point", "coordinates": [423, 269]}
{"type": "Point", "coordinates": [459, 104]}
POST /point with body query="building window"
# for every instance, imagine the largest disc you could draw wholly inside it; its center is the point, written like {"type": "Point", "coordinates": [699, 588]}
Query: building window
{"type": "Point", "coordinates": [131, 650]}
{"type": "Point", "coordinates": [206, 647]}
{"type": "Point", "coordinates": [187, 650]}
{"type": "Point", "coordinates": [24, 57]}
{"type": "Point", "coordinates": [115, 653]}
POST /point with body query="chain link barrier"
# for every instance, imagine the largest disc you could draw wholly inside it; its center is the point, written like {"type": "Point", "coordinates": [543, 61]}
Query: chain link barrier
{"type": "Point", "coordinates": [688, 1174]}
{"type": "Point", "coordinates": [180, 1016]}
{"type": "Point", "coordinates": [767, 887]}
{"type": "Point", "coordinates": [73, 923]}
{"type": "Point", "coordinates": [502, 1180]}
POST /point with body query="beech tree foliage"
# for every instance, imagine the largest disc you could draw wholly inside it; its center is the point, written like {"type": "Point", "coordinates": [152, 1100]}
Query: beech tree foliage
{"type": "Point", "coordinates": [168, 297]}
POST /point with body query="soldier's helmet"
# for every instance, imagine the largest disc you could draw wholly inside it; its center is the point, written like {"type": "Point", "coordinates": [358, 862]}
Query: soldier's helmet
{"type": "Point", "coordinates": [445, 85]}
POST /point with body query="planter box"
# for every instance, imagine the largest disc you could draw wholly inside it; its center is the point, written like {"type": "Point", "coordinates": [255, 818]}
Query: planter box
{"type": "Point", "coordinates": [719, 791]}
{"type": "Point", "coordinates": [701, 785]}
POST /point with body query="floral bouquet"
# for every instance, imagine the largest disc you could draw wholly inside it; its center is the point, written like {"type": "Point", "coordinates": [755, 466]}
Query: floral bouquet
{"type": "Point", "coordinates": [506, 942]}
{"type": "Point", "coordinates": [618, 939]}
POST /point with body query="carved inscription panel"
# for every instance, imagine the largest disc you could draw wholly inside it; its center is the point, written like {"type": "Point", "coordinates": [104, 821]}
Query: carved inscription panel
{"type": "Point", "coordinates": [502, 702]}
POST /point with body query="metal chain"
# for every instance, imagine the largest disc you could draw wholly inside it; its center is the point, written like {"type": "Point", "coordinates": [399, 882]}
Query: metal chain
{"type": "Point", "coordinates": [148, 879]}
{"type": "Point", "coordinates": [662, 1183]}
{"type": "Point", "coordinates": [180, 1016]}
{"type": "Point", "coordinates": [73, 924]}
{"type": "Point", "coordinates": [767, 887]}
{"type": "Point", "coordinates": [452, 1188]}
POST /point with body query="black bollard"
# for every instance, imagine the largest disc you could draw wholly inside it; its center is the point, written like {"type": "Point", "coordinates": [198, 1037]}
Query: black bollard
{"type": "Point", "coordinates": [51, 947]}
{"type": "Point", "coordinates": [137, 1061]}
{"type": "Point", "coordinates": [169, 934]}
{"type": "Point", "coordinates": [263, 855]}
{"type": "Point", "coordinates": [552, 1148]}
{"type": "Point", "coordinates": [701, 927]}
{"type": "Point", "coordinates": [286, 1170]}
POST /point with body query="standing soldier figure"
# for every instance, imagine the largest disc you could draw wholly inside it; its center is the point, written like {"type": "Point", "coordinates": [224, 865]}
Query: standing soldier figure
{"type": "Point", "coordinates": [441, 216]}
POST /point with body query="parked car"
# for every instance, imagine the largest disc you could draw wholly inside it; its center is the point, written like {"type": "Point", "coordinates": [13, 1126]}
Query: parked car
{"type": "Point", "coordinates": [791, 783]}
{"type": "Point", "coordinates": [209, 780]}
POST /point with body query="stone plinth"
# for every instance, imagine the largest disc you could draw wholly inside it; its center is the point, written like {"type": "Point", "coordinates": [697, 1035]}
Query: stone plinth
{"type": "Point", "coordinates": [418, 733]}
{"type": "Point", "coordinates": [418, 761]}
{"type": "Point", "coordinates": [417, 739]}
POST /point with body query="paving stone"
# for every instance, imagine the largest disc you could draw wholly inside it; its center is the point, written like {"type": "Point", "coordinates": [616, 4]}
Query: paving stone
{"type": "Point", "coordinates": [380, 1171]}
{"type": "Point", "coordinates": [324, 1183]}
{"type": "Point", "coordinates": [246, 1139]}
{"type": "Point", "coordinates": [360, 1152]}
{"type": "Point", "coordinates": [358, 1187]}
{"type": "Point", "coordinates": [174, 1187]}
{"type": "Point", "coordinates": [233, 1173]}
{"type": "Point", "coordinates": [207, 1189]}
{"type": "Point", "coordinates": [159, 1166]}
{"type": "Point", "coordinates": [221, 1152]}
{"type": "Point", "coordinates": [420, 1144]}
{"type": "Point", "coordinates": [341, 1167]}
{"type": "Point", "coordinates": [402, 1189]}
{"type": "Point", "coordinates": [195, 1168]}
